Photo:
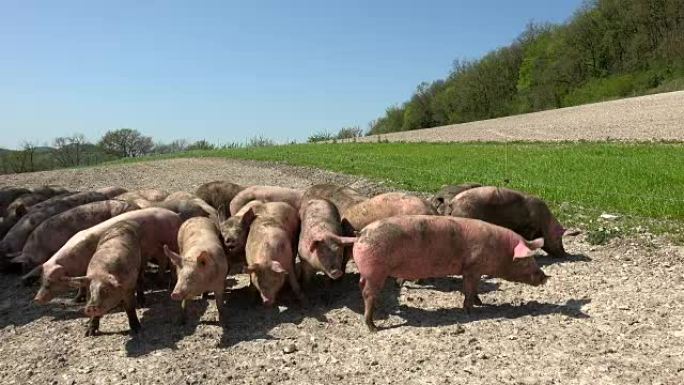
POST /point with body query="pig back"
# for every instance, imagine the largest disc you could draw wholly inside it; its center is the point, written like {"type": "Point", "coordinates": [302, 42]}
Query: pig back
{"type": "Point", "coordinates": [53, 233]}
{"type": "Point", "coordinates": [342, 197]}
{"type": "Point", "coordinates": [266, 194]}
{"type": "Point", "coordinates": [410, 247]}
{"type": "Point", "coordinates": [383, 206]}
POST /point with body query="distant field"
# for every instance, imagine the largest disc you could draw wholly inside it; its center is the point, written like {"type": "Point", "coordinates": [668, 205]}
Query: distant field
{"type": "Point", "coordinates": [644, 179]}
{"type": "Point", "coordinates": [651, 117]}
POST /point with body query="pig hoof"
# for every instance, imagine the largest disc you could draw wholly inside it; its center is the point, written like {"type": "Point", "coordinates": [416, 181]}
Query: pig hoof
{"type": "Point", "coordinates": [477, 301]}
{"type": "Point", "coordinates": [91, 332]}
{"type": "Point", "coordinates": [372, 328]}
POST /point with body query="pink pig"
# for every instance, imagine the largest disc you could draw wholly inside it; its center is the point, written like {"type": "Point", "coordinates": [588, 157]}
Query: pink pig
{"type": "Point", "coordinates": [266, 194]}
{"type": "Point", "coordinates": [413, 247]}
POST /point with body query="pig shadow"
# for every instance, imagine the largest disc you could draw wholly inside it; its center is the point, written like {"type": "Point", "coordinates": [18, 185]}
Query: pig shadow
{"type": "Point", "coordinates": [161, 328]}
{"type": "Point", "coordinates": [249, 320]}
{"type": "Point", "coordinates": [17, 307]}
{"type": "Point", "coordinates": [443, 317]}
{"type": "Point", "coordinates": [450, 284]}
{"type": "Point", "coordinates": [569, 258]}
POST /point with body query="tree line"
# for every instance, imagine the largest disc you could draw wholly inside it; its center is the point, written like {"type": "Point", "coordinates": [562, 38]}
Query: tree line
{"type": "Point", "coordinates": [608, 49]}
{"type": "Point", "coordinates": [75, 150]}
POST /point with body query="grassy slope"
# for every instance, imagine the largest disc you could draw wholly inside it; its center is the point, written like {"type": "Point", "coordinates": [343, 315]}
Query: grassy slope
{"type": "Point", "coordinates": [580, 180]}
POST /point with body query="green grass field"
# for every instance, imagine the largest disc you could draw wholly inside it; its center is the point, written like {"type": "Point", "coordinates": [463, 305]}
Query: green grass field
{"type": "Point", "coordinates": [638, 180]}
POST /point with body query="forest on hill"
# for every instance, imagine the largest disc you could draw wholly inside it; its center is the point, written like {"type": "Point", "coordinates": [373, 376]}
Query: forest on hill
{"type": "Point", "coordinates": [608, 49]}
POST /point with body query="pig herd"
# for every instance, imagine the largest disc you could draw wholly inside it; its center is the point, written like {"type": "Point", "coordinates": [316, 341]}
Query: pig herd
{"type": "Point", "coordinates": [102, 241]}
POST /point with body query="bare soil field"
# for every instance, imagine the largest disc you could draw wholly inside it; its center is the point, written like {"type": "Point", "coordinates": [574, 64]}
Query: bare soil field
{"type": "Point", "coordinates": [609, 314]}
{"type": "Point", "coordinates": [651, 117]}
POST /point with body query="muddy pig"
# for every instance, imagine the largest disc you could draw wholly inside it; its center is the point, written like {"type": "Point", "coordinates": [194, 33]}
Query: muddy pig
{"type": "Point", "coordinates": [270, 251]}
{"type": "Point", "coordinates": [266, 194]}
{"type": "Point", "coordinates": [20, 206]}
{"type": "Point", "coordinates": [321, 246]}
{"type": "Point", "coordinates": [16, 238]}
{"type": "Point", "coordinates": [526, 215]}
{"type": "Point", "coordinates": [382, 206]}
{"type": "Point", "coordinates": [424, 246]}
{"type": "Point", "coordinates": [235, 229]}
{"type": "Point", "coordinates": [143, 198]}
{"type": "Point", "coordinates": [158, 227]}
{"type": "Point", "coordinates": [342, 197]}
{"type": "Point", "coordinates": [53, 233]}
{"type": "Point", "coordinates": [440, 201]}
{"type": "Point", "coordinates": [8, 195]}
{"type": "Point", "coordinates": [113, 274]}
{"type": "Point", "coordinates": [188, 208]}
{"type": "Point", "coordinates": [201, 266]}
{"type": "Point", "coordinates": [219, 194]}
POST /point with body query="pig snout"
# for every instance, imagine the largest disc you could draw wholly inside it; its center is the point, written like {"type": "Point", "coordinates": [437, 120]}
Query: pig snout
{"type": "Point", "coordinates": [539, 278]}
{"type": "Point", "coordinates": [335, 273]}
{"type": "Point", "coordinates": [177, 295]}
{"type": "Point", "coordinates": [42, 297]}
{"type": "Point", "coordinates": [267, 301]}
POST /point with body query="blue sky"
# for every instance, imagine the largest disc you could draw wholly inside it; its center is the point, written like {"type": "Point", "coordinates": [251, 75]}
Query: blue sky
{"type": "Point", "coordinates": [225, 71]}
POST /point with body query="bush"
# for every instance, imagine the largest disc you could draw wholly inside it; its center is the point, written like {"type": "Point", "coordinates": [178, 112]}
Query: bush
{"type": "Point", "coordinates": [321, 136]}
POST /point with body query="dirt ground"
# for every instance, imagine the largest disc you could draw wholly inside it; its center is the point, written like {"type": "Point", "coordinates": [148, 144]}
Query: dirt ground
{"type": "Point", "coordinates": [645, 118]}
{"type": "Point", "coordinates": [609, 315]}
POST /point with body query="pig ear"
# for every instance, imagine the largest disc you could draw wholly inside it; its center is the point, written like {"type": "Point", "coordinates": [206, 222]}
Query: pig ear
{"type": "Point", "coordinates": [535, 244]}
{"type": "Point", "coordinates": [113, 281]}
{"type": "Point", "coordinates": [314, 245]}
{"type": "Point", "coordinates": [277, 267]}
{"type": "Point", "coordinates": [21, 210]}
{"type": "Point", "coordinates": [76, 282]}
{"type": "Point", "coordinates": [522, 250]}
{"type": "Point", "coordinates": [36, 272]}
{"type": "Point", "coordinates": [248, 217]}
{"type": "Point", "coordinates": [221, 213]}
{"type": "Point", "coordinates": [174, 257]}
{"type": "Point", "coordinates": [203, 258]}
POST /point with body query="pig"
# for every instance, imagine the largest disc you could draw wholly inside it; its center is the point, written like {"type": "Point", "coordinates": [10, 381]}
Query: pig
{"type": "Point", "coordinates": [113, 274]}
{"type": "Point", "coordinates": [526, 215]}
{"type": "Point", "coordinates": [157, 227]}
{"type": "Point", "coordinates": [234, 230]}
{"type": "Point", "coordinates": [20, 206]}
{"type": "Point", "coordinates": [53, 233]}
{"type": "Point", "coordinates": [188, 208]}
{"type": "Point", "coordinates": [266, 194]}
{"type": "Point", "coordinates": [343, 197]}
{"type": "Point", "coordinates": [270, 251]}
{"type": "Point", "coordinates": [201, 266]}
{"type": "Point", "coordinates": [425, 246]}
{"type": "Point", "coordinates": [219, 194]}
{"type": "Point", "coordinates": [8, 195]}
{"type": "Point", "coordinates": [321, 246]}
{"type": "Point", "coordinates": [180, 195]}
{"type": "Point", "coordinates": [382, 206]}
{"type": "Point", "coordinates": [440, 201]}
{"type": "Point", "coordinates": [16, 237]}
{"type": "Point", "coordinates": [143, 198]}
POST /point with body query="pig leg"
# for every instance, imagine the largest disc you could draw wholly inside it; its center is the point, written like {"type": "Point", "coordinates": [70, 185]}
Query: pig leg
{"type": "Point", "coordinates": [369, 291]}
{"type": "Point", "coordinates": [140, 291]}
{"type": "Point", "coordinates": [81, 295]}
{"type": "Point", "coordinates": [294, 285]}
{"type": "Point", "coordinates": [93, 327]}
{"type": "Point", "coordinates": [129, 307]}
{"type": "Point", "coordinates": [183, 312]}
{"type": "Point", "coordinates": [307, 272]}
{"type": "Point", "coordinates": [470, 284]}
{"type": "Point", "coordinates": [218, 296]}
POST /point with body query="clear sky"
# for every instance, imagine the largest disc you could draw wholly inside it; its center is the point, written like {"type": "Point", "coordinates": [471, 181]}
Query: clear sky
{"type": "Point", "coordinates": [225, 71]}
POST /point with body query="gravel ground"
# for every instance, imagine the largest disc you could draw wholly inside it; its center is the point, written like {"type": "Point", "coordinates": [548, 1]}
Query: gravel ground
{"type": "Point", "coordinates": [651, 117]}
{"type": "Point", "coordinates": [610, 315]}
